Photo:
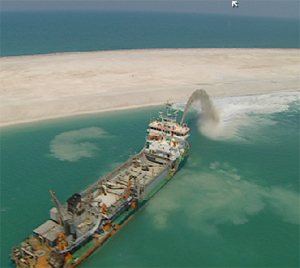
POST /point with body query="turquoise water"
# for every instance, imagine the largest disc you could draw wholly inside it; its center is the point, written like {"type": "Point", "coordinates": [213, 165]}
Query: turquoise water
{"type": "Point", "coordinates": [25, 33]}
{"type": "Point", "coordinates": [234, 204]}
{"type": "Point", "coordinates": [236, 201]}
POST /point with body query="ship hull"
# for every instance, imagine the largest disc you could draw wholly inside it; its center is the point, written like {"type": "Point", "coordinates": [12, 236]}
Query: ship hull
{"type": "Point", "coordinates": [88, 219]}
{"type": "Point", "coordinates": [77, 255]}
{"type": "Point", "coordinates": [161, 180]}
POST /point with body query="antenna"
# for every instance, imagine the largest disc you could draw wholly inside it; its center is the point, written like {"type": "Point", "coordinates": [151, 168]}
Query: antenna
{"type": "Point", "coordinates": [169, 108]}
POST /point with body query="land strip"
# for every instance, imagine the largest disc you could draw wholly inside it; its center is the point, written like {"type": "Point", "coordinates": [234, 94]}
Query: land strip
{"type": "Point", "coordinates": [51, 86]}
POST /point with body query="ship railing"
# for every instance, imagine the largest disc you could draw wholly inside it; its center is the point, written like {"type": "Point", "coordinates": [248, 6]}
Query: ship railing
{"type": "Point", "coordinates": [82, 238]}
{"type": "Point", "coordinates": [111, 174]}
{"type": "Point", "coordinates": [158, 174]}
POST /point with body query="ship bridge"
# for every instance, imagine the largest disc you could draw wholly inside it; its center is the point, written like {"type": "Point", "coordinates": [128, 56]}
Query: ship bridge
{"type": "Point", "coordinates": [167, 125]}
{"type": "Point", "coordinates": [169, 128]}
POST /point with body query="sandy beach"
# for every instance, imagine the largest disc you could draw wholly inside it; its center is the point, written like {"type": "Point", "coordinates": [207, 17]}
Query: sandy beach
{"type": "Point", "coordinates": [50, 86]}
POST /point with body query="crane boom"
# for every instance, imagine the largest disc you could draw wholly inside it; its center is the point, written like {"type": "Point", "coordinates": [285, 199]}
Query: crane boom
{"type": "Point", "coordinates": [66, 220]}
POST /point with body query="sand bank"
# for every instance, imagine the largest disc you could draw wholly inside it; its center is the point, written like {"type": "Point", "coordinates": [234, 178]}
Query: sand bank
{"type": "Point", "coordinates": [58, 85]}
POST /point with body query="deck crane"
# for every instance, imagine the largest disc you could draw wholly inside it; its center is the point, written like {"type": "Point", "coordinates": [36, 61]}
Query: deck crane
{"type": "Point", "coordinates": [65, 218]}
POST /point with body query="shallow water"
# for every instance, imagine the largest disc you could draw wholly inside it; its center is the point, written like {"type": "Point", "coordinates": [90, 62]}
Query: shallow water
{"type": "Point", "coordinates": [234, 204]}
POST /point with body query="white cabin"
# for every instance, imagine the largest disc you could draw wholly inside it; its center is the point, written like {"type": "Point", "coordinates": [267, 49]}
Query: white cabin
{"type": "Point", "coordinates": [166, 137]}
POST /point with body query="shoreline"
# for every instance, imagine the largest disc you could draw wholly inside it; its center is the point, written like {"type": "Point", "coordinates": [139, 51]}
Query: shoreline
{"type": "Point", "coordinates": [18, 123]}
{"type": "Point", "coordinates": [50, 86]}
{"type": "Point", "coordinates": [151, 49]}
{"type": "Point", "coordinates": [144, 50]}
{"type": "Point", "coordinates": [43, 119]}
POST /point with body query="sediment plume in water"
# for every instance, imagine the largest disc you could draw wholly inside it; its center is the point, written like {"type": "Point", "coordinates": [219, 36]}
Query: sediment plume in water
{"type": "Point", "coordinates": [209, 113]}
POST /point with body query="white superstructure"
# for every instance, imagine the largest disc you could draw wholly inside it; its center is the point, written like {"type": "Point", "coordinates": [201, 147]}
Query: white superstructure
{"type": "Point", "coordinates": [167, 138]}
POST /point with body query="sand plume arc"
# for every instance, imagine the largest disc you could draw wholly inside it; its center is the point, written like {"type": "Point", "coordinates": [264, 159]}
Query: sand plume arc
{"type": "Point", "coordinates": [209, 111]}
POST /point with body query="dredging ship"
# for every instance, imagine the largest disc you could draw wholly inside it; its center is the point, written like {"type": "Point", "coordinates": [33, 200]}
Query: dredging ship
{"type": "Point", "coordinates": [75, 230]}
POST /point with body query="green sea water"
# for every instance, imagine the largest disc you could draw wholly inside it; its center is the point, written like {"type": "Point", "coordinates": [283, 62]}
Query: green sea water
{"type": "Point", "coordinates": [235, 203]}
{"type": "Point", "coordinates": [32, 32]}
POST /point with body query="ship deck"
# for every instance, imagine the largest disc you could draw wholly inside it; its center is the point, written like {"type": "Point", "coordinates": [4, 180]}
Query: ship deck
{"type": "Point", "coordinates": [136, 173]}
{"type": "Point", "coordinates": [40, 250]}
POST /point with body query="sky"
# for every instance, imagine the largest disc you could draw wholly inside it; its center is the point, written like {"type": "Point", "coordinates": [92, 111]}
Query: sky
{"type": "Point", "coordinates": [262, 8]}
